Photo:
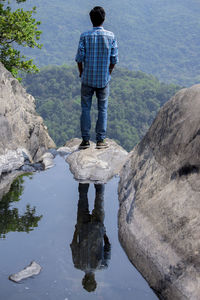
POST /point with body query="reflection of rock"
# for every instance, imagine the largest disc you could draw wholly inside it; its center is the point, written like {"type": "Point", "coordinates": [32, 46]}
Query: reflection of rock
{"type": "Point", "coordinates": [20, 126]}
{"type": "Point", "coordinates": [33, 269]}
{"type": "Point", "coordinates": [159, 195]}
{"type": "Point", "coordinates": [96, 164]}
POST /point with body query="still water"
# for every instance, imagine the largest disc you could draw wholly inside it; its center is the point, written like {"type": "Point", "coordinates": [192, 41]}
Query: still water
{"type": "Point", "coordinates": [70, 229]}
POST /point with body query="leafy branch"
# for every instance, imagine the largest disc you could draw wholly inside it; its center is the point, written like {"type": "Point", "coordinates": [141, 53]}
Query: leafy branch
{"type": "Point", "coordinates": [17, 28]}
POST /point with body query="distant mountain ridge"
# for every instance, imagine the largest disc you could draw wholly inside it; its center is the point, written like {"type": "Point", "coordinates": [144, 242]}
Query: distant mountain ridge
{"type": "Point", "coordinates": [157, 37]}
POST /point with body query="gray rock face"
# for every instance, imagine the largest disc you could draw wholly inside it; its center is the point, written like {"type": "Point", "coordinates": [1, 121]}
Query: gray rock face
{"type": "Point", "coordinates": [159, 194]}
{"type": "Point", "coordinates": [20, 126]}
{"type": "Point", "coordinates": [93, 164]}
{"type": "Point", "coordinates": [31, 270]}
{"type": "Point", "coordinates": [12, 160]}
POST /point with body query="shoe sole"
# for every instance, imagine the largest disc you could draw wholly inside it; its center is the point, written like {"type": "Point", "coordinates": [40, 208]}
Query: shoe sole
{"type": "Point", "coordinates": [84, 147]}
{"type": "Point", "coordinates": [101, 147]}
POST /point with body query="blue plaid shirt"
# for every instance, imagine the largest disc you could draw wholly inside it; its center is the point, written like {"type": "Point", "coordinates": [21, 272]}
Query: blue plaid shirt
{"type": "Point", "coordinates": [97, 49]}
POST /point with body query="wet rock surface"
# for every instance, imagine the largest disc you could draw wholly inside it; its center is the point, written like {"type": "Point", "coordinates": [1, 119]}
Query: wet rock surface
{"type": "Point", "coordinates": [159, 193]}
{"type": "Point", "coordinates": [31, 270]}
{"type": "Point", "coordinates": [20, 126]}
{"type": "Point", "coordinates": [92, 164]}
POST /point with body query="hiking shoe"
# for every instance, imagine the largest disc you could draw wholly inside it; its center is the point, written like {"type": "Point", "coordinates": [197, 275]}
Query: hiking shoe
{"type": "Point", "coordinates": [84, 145]}
{"type": "Point", "coordinates": [101, 144]}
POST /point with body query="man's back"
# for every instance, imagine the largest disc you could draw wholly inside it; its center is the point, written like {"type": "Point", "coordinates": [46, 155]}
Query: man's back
{"type": "Point", "coordinates": [97, 50]}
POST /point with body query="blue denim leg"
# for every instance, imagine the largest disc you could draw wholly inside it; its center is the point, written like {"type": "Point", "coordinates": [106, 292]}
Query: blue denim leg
{"type": "Point", "coordinates": [101, 124]}
{"type": "Point", "coordinates": [86, 102]}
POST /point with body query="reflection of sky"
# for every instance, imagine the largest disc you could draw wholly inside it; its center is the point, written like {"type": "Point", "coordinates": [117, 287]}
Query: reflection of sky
{"type": "Point", "coordinates": [55, 195]}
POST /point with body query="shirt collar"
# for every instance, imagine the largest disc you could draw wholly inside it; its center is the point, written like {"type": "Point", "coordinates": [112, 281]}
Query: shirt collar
{"type": "Point", "coordinates": [98, 27]}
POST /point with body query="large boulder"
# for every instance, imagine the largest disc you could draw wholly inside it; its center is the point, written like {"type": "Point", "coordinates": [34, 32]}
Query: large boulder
{"type": "Point", "coordinates": [94, 165]}
{"type": "Point", "coordinates": [22, 131]}
{"type": "Point", "coordinates": [159, 194]}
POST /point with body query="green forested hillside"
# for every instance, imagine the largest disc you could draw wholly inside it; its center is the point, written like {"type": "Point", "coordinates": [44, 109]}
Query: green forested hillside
{"type": "Point", "coordinates": [135, 98]}
{"type": "Point", "coordinates": [157, 37]}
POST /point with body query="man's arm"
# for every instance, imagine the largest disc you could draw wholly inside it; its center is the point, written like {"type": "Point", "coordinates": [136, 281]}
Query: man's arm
{"type": "Point", "coordinates": [113, 56]}
{"type": "Point", "coordinates": [111, 67]}
{"type": "Point", "coordinates": [80, 68]}
{"type": "Point", "coordinates": [80, 55]}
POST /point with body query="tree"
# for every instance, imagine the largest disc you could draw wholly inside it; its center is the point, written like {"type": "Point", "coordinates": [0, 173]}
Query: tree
{"type": "Point", "coordinates": [17, 28]}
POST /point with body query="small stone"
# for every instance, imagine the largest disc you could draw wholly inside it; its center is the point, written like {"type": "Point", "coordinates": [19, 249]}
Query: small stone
{"type": "Point", "coordinates": [47, 160]}
{"type": "Point", "coordinates": [33, 269]}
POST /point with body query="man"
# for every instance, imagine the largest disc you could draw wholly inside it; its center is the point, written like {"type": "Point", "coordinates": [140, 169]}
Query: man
{"type": "Point", "coordinates": [96, 57]}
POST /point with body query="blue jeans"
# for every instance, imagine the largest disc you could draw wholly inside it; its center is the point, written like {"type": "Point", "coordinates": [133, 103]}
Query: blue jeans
{"type": "Point", "coordinates": [86, 101]}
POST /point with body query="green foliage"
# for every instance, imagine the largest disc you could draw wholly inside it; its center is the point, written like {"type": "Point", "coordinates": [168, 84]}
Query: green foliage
{"type": "Point", "coordinates": [17, 28]}
{"type": "Point", "coordinates": [10, 219]}
{"type": "Point", "coordinates": [158, 37]}
{"type": "Point", "coordinates": [135, 98]}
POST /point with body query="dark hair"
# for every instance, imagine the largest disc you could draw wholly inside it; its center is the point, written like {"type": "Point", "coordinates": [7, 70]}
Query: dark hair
{"type": "Point", "coordinates": [89, 282]}
{"type": "Point", "coordinates": [97, 15]}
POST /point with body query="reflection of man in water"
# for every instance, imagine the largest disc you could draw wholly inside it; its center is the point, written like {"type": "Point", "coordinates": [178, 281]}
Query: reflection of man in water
{"type": "Point", "coordinates": [90, 245]}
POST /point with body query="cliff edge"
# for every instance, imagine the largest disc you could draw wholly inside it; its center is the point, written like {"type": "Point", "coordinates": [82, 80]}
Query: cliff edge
{"type": "Point", "coordinates": [22, 131]}
{"type": "Point", "coordinates": [159, 193]}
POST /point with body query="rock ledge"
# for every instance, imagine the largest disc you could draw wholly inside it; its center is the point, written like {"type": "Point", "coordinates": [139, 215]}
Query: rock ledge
{"type": "Point", "coordinates": [92, 164]}
{"type": "Point", "coordinates": [159, 194]}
